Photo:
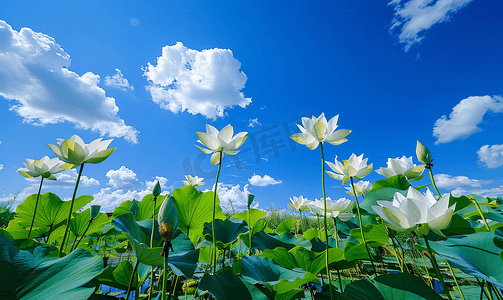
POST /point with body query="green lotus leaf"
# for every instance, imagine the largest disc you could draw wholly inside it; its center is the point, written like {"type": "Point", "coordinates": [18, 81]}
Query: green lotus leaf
{"type": "Point", "coordinates": [51, 210]}
{"type": "Point", "coordinates": [145, 207]}
{"type": "Point", "coordinates": [80, 221]}
{"type": "Point", "coordinates": [475, 254]}
{"type": "Point", "coordinates": [375, 235]}
{"type": "Point", "coordinates": [227, 286]}
{"type": "Point", "coordinates": [35, 274]}
{"type": "Point", "coordinates": [389, 287]}
{"type": "Point", "coordinates": [182, 263]}
{"type": "Point", "coordinates": [118, 277]}
{"type": "Point", "coordinates": [226, 231]}
{"type": "Point", "coordinates": [194, 208]}
{"type": "Point", "coordinates": [286, 226]}
{"type": "Point", "coordinates": [273, 276]}
{"type": "Point", "coordinates": [263, 241]}
{"type": "Point", "coordinates": [399, 182]}
{"type": "Point", "coordinates": [255, 216]}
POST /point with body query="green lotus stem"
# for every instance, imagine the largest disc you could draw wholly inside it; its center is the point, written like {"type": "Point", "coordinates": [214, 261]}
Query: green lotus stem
{"type": "Point", "coordinates": [488, 288]}
{"type": "Point", "coordinates": [361, 226]}
{"type": "Point", "coordinates": [325, 219]}
{"type": "Point", "coordinates": [427, 273]}
{"type": "Point", "coordinates": [63, 245]}
{"type": "Point", "coordinates": [36, 204]}
{"type": "Point", "coordinates": [428, 166]}
{"type": "Point", "coordinates": [132, 278]}
{"type": "Point", "coordinates": [301, 222]}
{"type": "Point", "coordinates": [340, 280]}
{"type": "Point", "coordinates": [49, 234]}
{"type": "Point", "coordinates": [214, 212]}
{"type": "Point", "coordinates": [496, 292]}
{"type": "Point", "coordinates": [397, 256]}
{"type": "Point", "coordinates": [435, 265]}
{"type": "Point", "coordinates": [336, 237]}
{"type": "Point", "coordinates": [151, 246]}
{"type": "Point", "coordinates": [85, 231]}
{"type": "Point", "coordinates": [455, 280]}
{"type": "Point", "coordinates": [249, 230]}
{"type": "Point", "coordinates": [480, 212]}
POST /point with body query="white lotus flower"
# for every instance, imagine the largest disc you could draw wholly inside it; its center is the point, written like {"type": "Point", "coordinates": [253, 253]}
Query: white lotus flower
{"type": "Point", "coordinates": [75, 151]}
{"type": "Point", "coordinates": [334, 208]}
{"type": "Point", "coordinates": [193, 181]}
{"type": "Point", "coordinates": [415, 209]}
{"type": "Point", "coordinates": [299, 203]}
{"type": "Point", "coordinates": [355, 167]}
{"type": "Point", "coordinates": [403, 166]}
{"type": "Point", "coordinates": [318, 130]}
{"type": "Point", "coordinates": [361, 188]}
{"type": "Point", "coordinates": [220, 141]}
{"type": "Point", "coordinates": [44, 167]}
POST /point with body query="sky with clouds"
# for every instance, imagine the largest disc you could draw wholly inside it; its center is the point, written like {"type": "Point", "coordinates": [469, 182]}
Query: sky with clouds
{"type": "Point", "coordinates": [150, 75]}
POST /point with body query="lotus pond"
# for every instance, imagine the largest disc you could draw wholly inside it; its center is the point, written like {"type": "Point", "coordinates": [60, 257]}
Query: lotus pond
{"type": "Point", "coordinates": [391, 240]}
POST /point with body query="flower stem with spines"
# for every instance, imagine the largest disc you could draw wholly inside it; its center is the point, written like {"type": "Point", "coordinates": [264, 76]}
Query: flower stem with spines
{"type": "Point", "coordinates": [63, 245]}
{"type": "Point", "coordinates": [214, 213]}
{"type": "Point", "coordinates": [36, 204]}
{"type": "Point", "coordinates": [325, 219]}
{"type": "Point", "coordinates": [361, 226]}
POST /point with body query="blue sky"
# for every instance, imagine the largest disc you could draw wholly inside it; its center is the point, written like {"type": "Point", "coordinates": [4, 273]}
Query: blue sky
{"type": "Point", "coordinates": [152, 74]}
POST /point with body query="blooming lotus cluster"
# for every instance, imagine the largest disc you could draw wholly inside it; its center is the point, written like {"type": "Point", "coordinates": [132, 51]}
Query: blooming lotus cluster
{"type": "Point", "coordinates": [75, 151]}
{"type": "Point", "coordinates": [406, 212]}
{"type": "Point", "coordinates": [355, 167]}
{"type": "Point", "coordinates": [44, 167]}
{"type": "Point", "coordinates": [340, 208]}
{"type": "Point", "coordinates": [299, 203]}
{"type": "Point", "coordinates": [318, 130]}
{"type": "Point", "coordinates": [403, 166]}
{"type": "Point", "coordinates": [193, 181]}
{"type": "Point", "coordinates": [361, 188]}
{"type": "Point", "coordinates": [220, 141]}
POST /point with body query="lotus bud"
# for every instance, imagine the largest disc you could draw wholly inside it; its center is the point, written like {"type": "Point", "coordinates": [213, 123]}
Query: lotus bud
{"type": "Point", "coordinates": [95, 210]}
{"type": "Point", "coordinates": [423, 154]}
{"type": "Point", "coordinates": [168, 219]}
{"type": "Point", "coordinates": [157, 189]}
{"type": "Point", "coordinates": [250, 199]}
{"type": "Point", "coordinates": [166, 231]}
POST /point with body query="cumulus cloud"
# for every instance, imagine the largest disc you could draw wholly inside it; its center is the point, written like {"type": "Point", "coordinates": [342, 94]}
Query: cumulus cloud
{"type": "Point", "coordinates": [266, 180]}
{"type": "Point", "coordinates": [449, 182]}
{"type": "Point", "coordinates": [65, 179]}
{"type": "Point", "coordinates": [118, 81]}
{"type": "Point", "coordinates": [228, 193]}
{"type": "Point", "coordinates": [254, 122]}
{"type": "Point", "coordinates": [200, 82]}
{"type": "Point", "coordinates": [123, 178]}
{"type": "Point", "coordinates": [465, 117]}
{"type": "Point", "coordinates": [34, 74]}
{"type": "Point", "coordinates": [128, 189]}
{"type": "Point", "coordinates": [491, 156]}
{"type": "Point", "coordinates": [1, 166]}
{"type": "Point", "coordinates": [489, 192]}
{"type": "Point", "coordinates": [412, 18]}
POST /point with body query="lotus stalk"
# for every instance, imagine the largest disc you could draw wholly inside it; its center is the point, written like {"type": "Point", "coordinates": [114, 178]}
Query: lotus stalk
{"type": "Point", "coordinates": [435, 265]}
{"type": "Point", "coordinates": [95, 209]}
{"type": "Point", "coordinates": [155, 192]}
{"type": "Point", "coordinates": [45, 168]}
{"type": "Point", "coordinates": [218, 143]}
{"type": "Point", "coordinates": [75, 152]}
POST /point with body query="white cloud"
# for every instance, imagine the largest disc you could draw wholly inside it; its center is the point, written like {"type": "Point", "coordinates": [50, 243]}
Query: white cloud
{"type": "Point", "coordinates": [65, 179]}
{"type": "Point", "coordinates": [254, 122]}
{"type": "Point", "coordinates": [118, 81]}
{"type": "Point", "coordinates": [465, 117]}
{"type": "Point", "coordinates": [414, 17]}
{"type": "Point", "coordinates": [490, 192]}
{"type": "Point", "coordinates": [110, 198]}
{"type": "Point", "coordinates": [228, 193]}
{"type": "Point", "coordinates": [449, 182]}
{"type": "Point", "coordinates": [266, 180]}
{"type": "Point", "coordinates": [1, 166]}
{"type": "Point", "coordinates": [491, 156]}
{"type": "Point", "coordinates": [200, 82]}
{"type": "Point", "coordinates": [123, 178]}
{"type": "Point", "coordinates": [34, 72]}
